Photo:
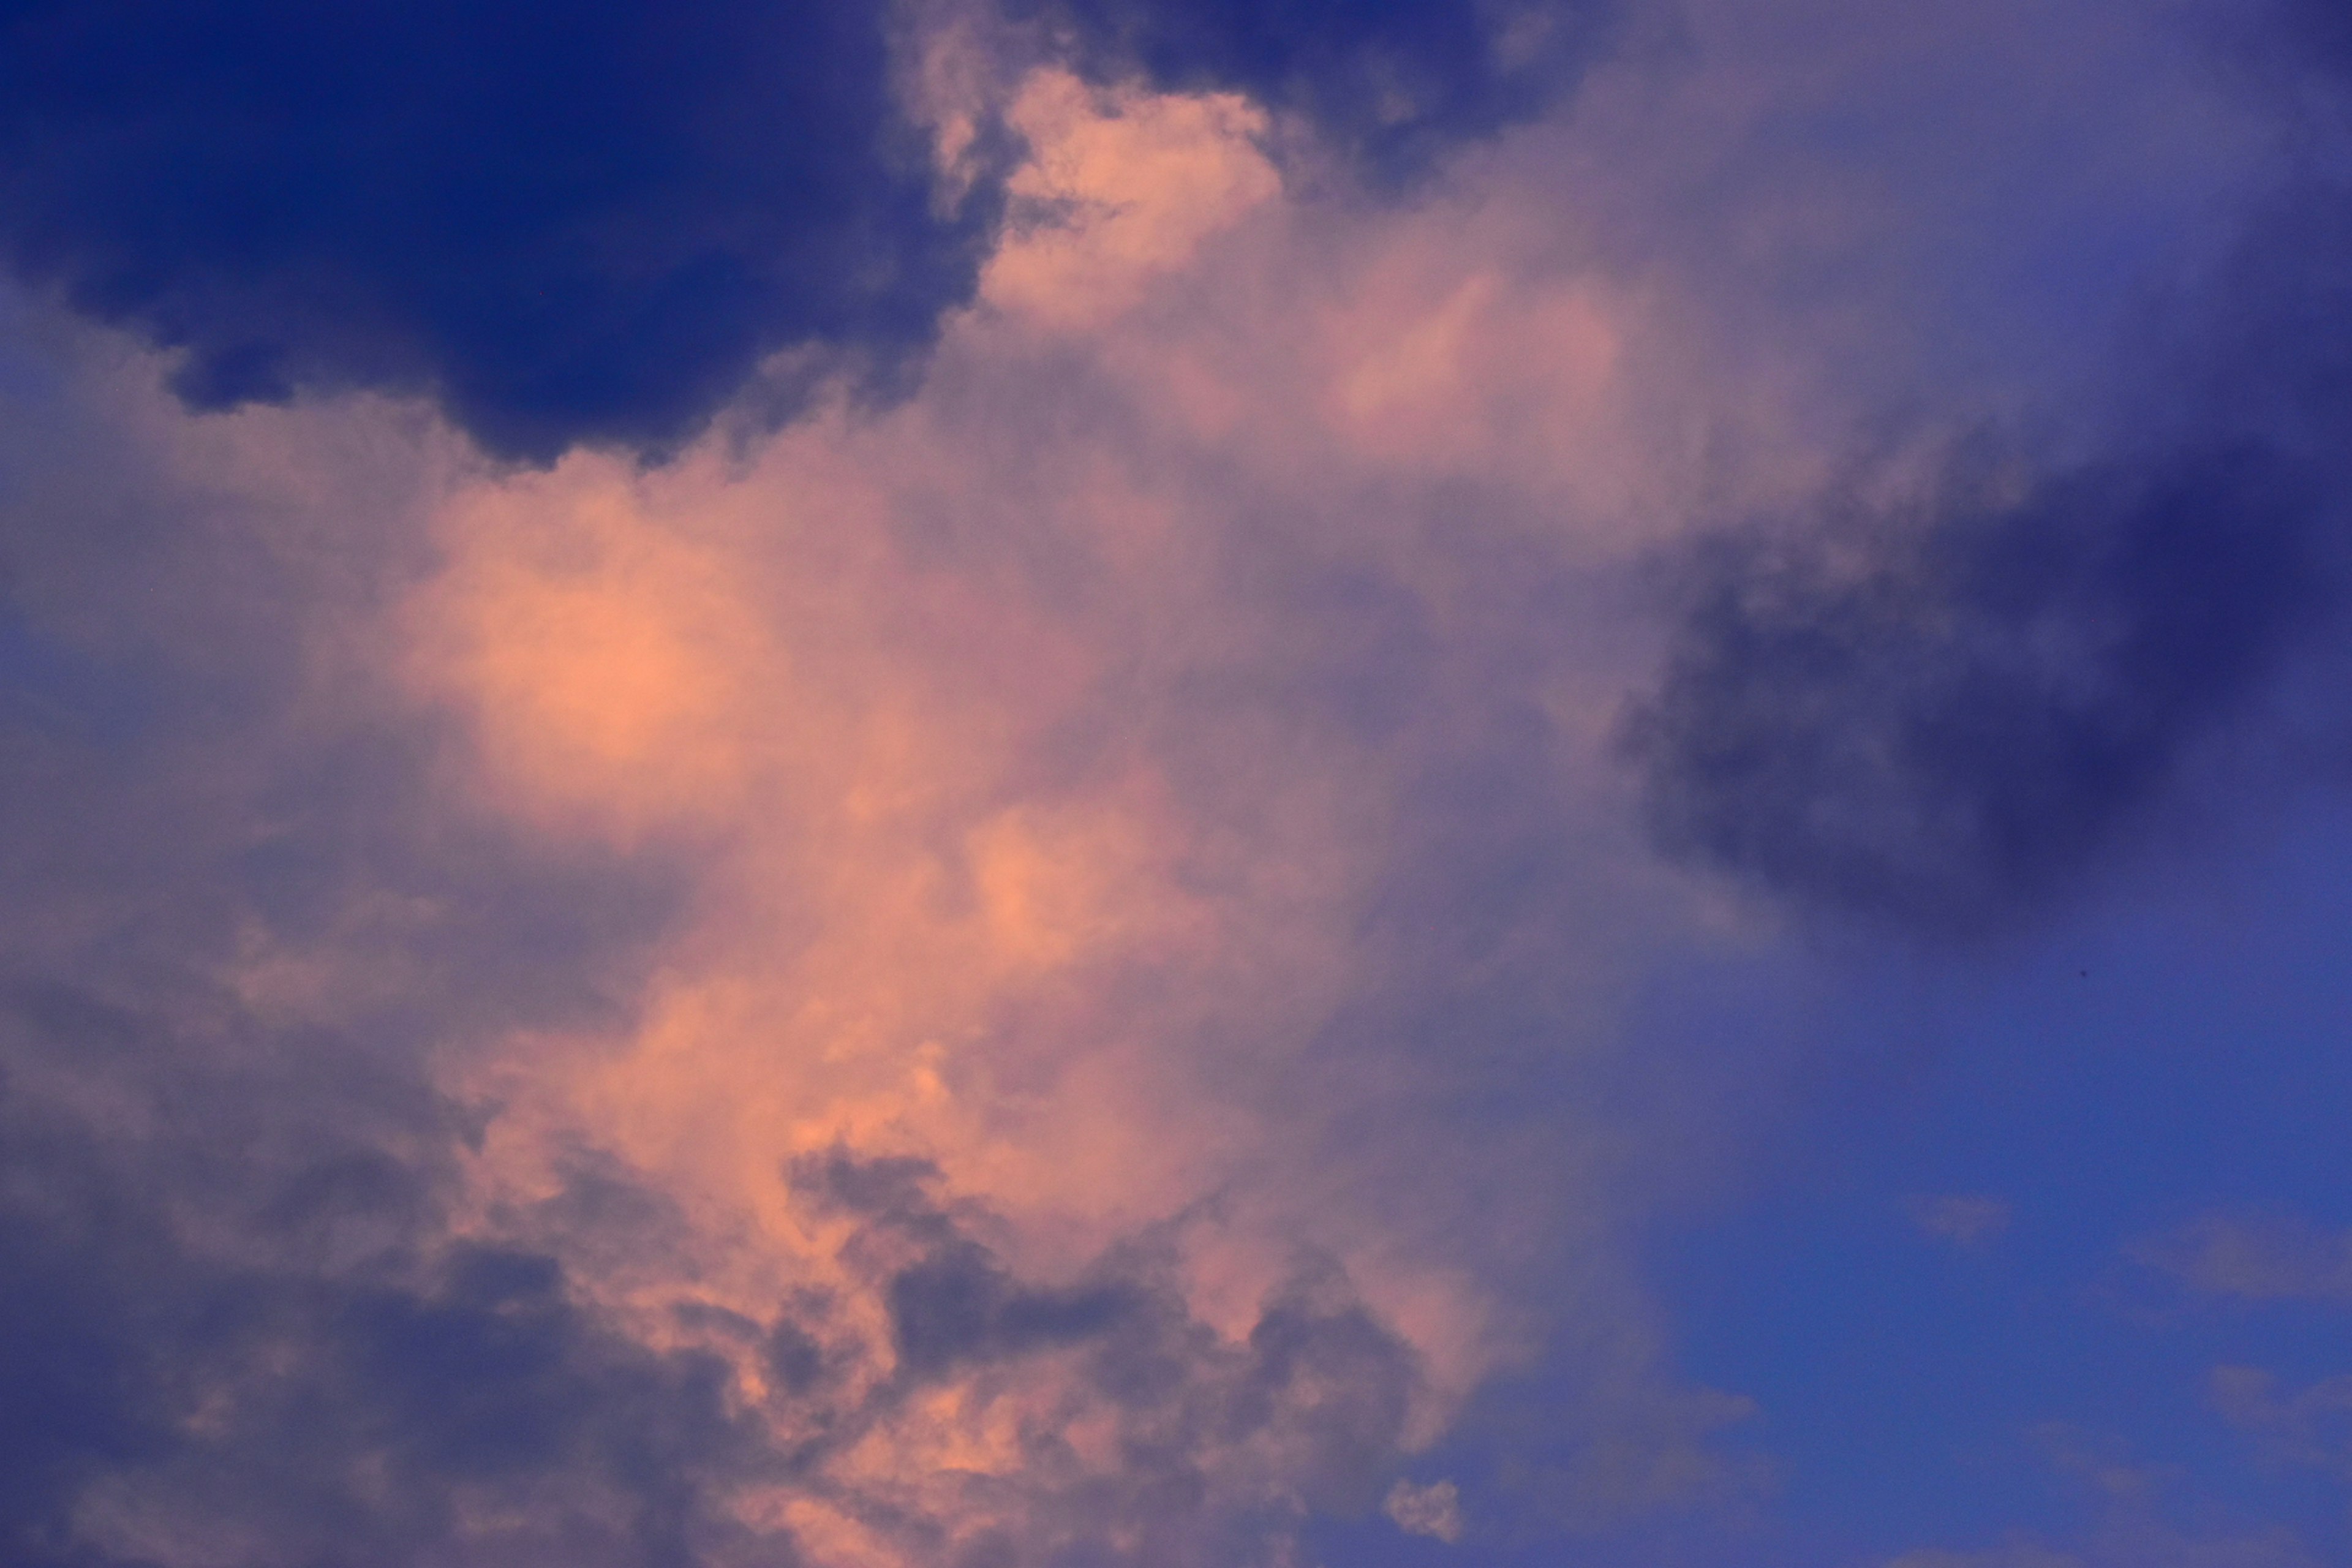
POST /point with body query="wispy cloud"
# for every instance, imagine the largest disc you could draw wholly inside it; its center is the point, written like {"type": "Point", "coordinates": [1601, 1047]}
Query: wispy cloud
{"type": "Point", "coordinates": [1962, 1220]}
{"type": "Point", "coordinates": [2255, 1257]}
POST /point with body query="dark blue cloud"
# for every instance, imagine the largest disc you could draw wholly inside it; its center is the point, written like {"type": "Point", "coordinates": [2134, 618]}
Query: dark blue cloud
{"type": "Point", "coordinates": [584, 223]}
{"type": "Point", "coordinates": [1945, 718]}
{"type": "Point", "coordinates": [1389, 81]}
{"type": "Point", "coordinates": [595, 223]}
{"type": "Point", "coordinates": [1944, 713]}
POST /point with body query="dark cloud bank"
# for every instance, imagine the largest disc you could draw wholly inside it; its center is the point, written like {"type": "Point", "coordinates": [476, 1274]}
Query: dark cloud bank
{"type": "Point", "coordinates": [594, 223]}
{"type": "Point", "coordinates": [1941, 714]}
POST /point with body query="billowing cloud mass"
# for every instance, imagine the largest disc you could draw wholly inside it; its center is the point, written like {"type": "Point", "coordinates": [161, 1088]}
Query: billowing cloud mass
{"type": "Point", "coordinates": [920, 1169]}
{"type": "Point", "coordinates": [880, 787]}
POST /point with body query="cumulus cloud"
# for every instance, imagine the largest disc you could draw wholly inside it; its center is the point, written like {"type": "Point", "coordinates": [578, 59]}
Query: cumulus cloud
{"type": "Point", "coordinates": [893, 994]}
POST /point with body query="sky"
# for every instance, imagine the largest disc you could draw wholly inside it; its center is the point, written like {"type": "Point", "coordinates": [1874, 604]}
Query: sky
{"type": "Point", "coordinates": [1167, 784]}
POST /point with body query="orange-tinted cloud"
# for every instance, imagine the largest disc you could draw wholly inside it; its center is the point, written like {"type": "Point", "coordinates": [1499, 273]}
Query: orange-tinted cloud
{"type": "Point", "coordinates": [987, 875]}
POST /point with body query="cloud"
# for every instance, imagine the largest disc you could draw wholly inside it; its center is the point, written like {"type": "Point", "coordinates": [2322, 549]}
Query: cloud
{"type": "Point", "coordinates": [255, 1332]}
{"type": "Point", "coordinates": [1944, 714]}
{"type": "Point", "coordinates": [2139, 1514]}
{"type": "Point", "coordinates": [1138, 1421]}
{"type": "Point", "coordinates": [2255, 1257]}
{"type": "Point", "coordinates": [2310, 1427]}
{"type": "Point", "coordinates": [1964, 1221]}
{"type": "Point", "coordinates": [2019, 1556]}
{"type": "Point", "coordinates": [1388, 83]}
{"type": "Point", "coordinates": [240, 1326]}
{"type": "Point", "coordinates": [590, 228]}
{"type": "Point", "coordinates": [1434, 1511]}
{"type": "Point", "coordinates": [1945, 695]}
{"type": "Point", "coordinates": [2155, 1548]}
{"type": "Point", "coordinates": [920, 989]}
{"type": "Point", "coordinates": [240, 1331]}
{"type": "Point", "coordinates": [238, 1354]}
{"type": "Point", "coordinates": [601, 228]}
{"type": "Point", "coordinates": [1031, 973]}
